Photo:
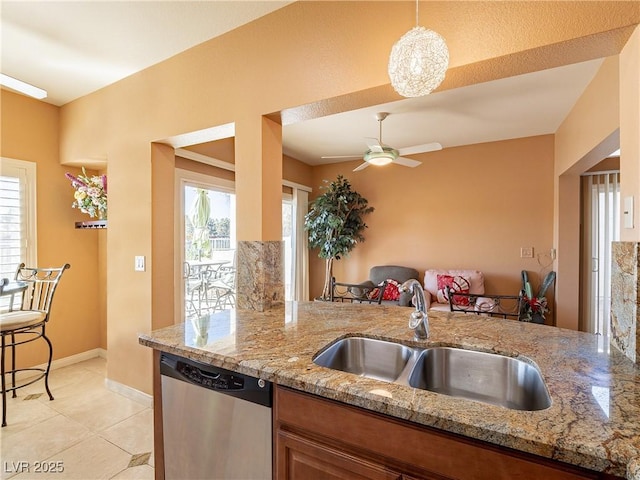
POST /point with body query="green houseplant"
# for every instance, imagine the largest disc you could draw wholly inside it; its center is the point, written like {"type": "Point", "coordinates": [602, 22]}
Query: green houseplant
{"type": "Point", "coordinates": [335, 223]}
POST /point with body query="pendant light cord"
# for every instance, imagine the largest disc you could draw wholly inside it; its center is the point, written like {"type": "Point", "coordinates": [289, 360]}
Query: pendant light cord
{"type": "Point", "coordinates": [416, 13]}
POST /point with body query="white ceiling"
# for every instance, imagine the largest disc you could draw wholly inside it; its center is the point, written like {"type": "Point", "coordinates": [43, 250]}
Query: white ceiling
{"type": "Point", "coordinates": [74, 48]}
{"type": "Point", "coordinates": [514, 107]}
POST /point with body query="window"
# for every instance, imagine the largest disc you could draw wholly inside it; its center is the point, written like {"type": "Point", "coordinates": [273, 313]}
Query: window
{"type": "Point", "coordinates": [288, 238]}
{"type": "Point", "coordinates": [17, 216]}
{"type": "Point", "coordinates": [296, 252]}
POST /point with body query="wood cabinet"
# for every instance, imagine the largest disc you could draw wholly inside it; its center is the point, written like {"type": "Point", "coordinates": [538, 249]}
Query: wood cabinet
{"type": "Point", "coordinates": [303, 458]}
{"type": "Point", "coordinates": [316, 438]}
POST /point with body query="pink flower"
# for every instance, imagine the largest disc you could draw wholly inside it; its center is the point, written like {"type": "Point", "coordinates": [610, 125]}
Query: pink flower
{"type": "Point", "coordinates": [75, 181]}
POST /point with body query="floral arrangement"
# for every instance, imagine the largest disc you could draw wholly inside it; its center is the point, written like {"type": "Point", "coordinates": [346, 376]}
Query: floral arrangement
{"type": "Point", "coordinates": [91, 194]}
{"type": "Point", "coordinates": [534, 306]}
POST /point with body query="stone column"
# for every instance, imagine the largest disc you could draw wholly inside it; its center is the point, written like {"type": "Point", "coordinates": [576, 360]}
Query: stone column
{"type": "Point", "coordinates": [260, 260]}
{"type": "Point", "coordinates": [260, 275]}
{"type": "Point", "coordinates": [625, 297]}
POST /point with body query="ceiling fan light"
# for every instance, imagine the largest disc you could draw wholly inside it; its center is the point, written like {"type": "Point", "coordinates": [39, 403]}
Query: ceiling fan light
{"type": "Point", "coordinates": [380, 161]}
{"type": "Point", "coordinates": [418, 62]}
{"type": "Point", "coordinates": [380, 158]}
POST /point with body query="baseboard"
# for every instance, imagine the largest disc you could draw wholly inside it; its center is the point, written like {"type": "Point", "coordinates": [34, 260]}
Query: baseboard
{"type": "Point", "coordinates": [129, 392]}
{"type": "Point", "coordinates": [124, 390]}
{"type": "Point", "coordinates": [65, 362]}
{"type": "Point", "coordinates": [77, 358]}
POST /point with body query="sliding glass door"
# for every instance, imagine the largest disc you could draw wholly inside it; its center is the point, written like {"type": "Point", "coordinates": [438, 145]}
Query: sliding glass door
{"type": "Point", "coordinates": [207, 226]}
{"type": "Point", "coordinates": [601, 221]}
{"type": "Point", "coordinates": [296, 252]}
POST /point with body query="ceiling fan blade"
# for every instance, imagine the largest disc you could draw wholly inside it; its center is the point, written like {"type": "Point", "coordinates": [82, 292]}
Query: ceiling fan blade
{"type": "Point", "coordinates": [361, 167]}
{"type": "Point", "coordinates": [407, 162]}
{"type": "Point", "coordinates": [373, 144]}
{"type": "Point", "coordinates": [341, 156]}
{"type": "Point", "coordinates": [427, 147]}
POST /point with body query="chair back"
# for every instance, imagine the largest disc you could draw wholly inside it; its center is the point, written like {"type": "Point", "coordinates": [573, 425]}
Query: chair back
{"type": "Point", "coordinates": [505, 306]}
{"type": "Point", "coordinates": [41, 285]}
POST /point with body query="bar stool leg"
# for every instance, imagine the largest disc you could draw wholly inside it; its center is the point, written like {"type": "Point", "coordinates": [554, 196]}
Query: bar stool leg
{"type": "Point", "coordinates": [46, 374]}
{"type": "Point", "coordinates": [4, 389]}
{"type": "Point", "coordinates": [13, 363]}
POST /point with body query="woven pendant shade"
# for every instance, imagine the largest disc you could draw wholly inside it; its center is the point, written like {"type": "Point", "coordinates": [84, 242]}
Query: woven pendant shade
{"type": "Point", "coordinates": [418, 62]}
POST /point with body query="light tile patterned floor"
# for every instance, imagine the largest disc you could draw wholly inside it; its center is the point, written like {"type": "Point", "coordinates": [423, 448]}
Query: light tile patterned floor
{"type": "Point", "coordinates": [87, 432]}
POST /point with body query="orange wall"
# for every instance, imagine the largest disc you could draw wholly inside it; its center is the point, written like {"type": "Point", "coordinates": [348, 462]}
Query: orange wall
{"type": "Point", "coordinates": [586, 136]}
{"type": "Point", "coordinates": [304, 53]}
{"type": "Point", "coordinates": [296, 171]}
{"type": "Point", "coordinates": [30, 132]}
{"type": "Point", "coordinates": [469, 207]}
{"type": "Point", "coordinates": [629, 128]}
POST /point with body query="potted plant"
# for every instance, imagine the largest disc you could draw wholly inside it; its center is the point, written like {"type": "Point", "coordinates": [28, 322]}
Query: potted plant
{"type": "Point", "coordinates": [335, 223]}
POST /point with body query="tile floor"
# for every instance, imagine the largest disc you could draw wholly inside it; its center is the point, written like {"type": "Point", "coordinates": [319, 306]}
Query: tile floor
{"type": "Point", "coordinates": [87, 432]}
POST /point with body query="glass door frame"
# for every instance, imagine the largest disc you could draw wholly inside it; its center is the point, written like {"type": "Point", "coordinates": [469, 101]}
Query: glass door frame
{"type": "Point", "coordinates": [185, 178]}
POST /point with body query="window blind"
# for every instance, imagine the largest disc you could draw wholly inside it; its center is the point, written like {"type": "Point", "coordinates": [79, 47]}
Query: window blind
{"type": "Point", "coordinates": [13, 238]}
{"type": "Point", "coordinates": [17, 217]}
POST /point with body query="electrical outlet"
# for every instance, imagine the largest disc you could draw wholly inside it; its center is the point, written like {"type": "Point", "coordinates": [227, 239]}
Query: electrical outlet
{"type": "Point", "coordinates": [139, 263]}
{"type": "Point", "coordinates": [526, 252]}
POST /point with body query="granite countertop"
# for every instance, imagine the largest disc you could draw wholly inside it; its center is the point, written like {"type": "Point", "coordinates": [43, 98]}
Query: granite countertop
{"type": "Point", "coordinates": [593, 422]}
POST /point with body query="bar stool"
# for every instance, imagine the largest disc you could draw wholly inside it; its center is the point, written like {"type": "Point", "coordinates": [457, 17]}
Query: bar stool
{"type": "Point", "coordinates": [27, 324]}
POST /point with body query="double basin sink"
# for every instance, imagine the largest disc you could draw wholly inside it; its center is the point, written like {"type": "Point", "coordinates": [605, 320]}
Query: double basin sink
{"type": "Point", "coordinates": [483, 377]}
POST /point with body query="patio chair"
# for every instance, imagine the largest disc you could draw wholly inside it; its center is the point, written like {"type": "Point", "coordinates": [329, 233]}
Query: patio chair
{"type": "Point", "coordinates": [221, 291]}
{"type": "Point", "coordinates": [28, 324]}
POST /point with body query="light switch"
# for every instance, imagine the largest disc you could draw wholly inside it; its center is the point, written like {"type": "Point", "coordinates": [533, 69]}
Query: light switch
{"type": "Point", "coordinates": [139, 263]}
{"type": "Point", "coordinates": [526, 252]}
{"type": "Point", "coordinates": [628, 212]}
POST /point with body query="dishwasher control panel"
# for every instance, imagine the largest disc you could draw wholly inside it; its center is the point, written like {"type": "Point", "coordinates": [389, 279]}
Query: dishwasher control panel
{"type": "Point", "coordinates": [213, 380]}
{"type": "Point", "coordinates": [220, 380]}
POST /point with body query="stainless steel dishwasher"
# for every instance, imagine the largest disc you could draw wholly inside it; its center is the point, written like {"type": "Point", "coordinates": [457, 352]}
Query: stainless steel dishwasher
{"type": "Point", "coordinates": [216, 423]}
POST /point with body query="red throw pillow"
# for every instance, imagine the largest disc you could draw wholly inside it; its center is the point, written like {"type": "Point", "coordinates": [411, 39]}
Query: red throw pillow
{"type": "Point", "coordinates": [457, 284]}
{"type": "Point", "coordinates": [391, 291]}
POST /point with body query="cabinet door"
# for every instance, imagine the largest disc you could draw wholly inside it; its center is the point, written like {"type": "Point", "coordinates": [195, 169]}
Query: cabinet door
{"type": "Point", "coordinates": [301, 458]}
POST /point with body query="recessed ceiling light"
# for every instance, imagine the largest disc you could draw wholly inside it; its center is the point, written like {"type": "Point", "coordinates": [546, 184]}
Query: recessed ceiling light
{"type": "Point", "coordinates": [22, 87]}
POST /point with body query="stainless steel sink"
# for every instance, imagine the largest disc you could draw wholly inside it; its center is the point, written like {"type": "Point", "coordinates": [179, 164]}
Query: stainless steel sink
{"type": "Point", "coordinates": [479, 376]}
{"type": "Point", "coordinates": [366, 357]}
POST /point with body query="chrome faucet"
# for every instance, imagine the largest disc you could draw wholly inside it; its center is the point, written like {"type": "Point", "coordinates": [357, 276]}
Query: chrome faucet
{"type": "Point", "coordinates": [419, 321]}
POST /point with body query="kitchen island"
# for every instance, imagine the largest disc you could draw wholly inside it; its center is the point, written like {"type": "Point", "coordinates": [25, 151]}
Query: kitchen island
{"type": "Point", "coordinates": [593, 421]}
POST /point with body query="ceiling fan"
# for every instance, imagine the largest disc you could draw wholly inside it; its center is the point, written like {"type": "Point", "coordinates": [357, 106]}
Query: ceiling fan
{"type": "Point", "coordinates": [381, 154]}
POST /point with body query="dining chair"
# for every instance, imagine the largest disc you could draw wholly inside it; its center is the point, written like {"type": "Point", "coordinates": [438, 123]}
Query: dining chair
{"type": "Point", "coordinates": [222, 291]}
{"type": "Point", "coordinates": [193, 290]}
{"type": "Point", "coordinates": [28, 324]}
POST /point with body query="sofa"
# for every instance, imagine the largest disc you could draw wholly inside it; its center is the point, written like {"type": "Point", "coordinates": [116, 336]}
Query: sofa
{"type": "Point", "coordinates": [436, 282]}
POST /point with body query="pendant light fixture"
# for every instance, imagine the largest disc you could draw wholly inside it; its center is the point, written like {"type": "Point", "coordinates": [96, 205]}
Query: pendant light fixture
{"type": "Point", "coordinates": [418, 61]}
